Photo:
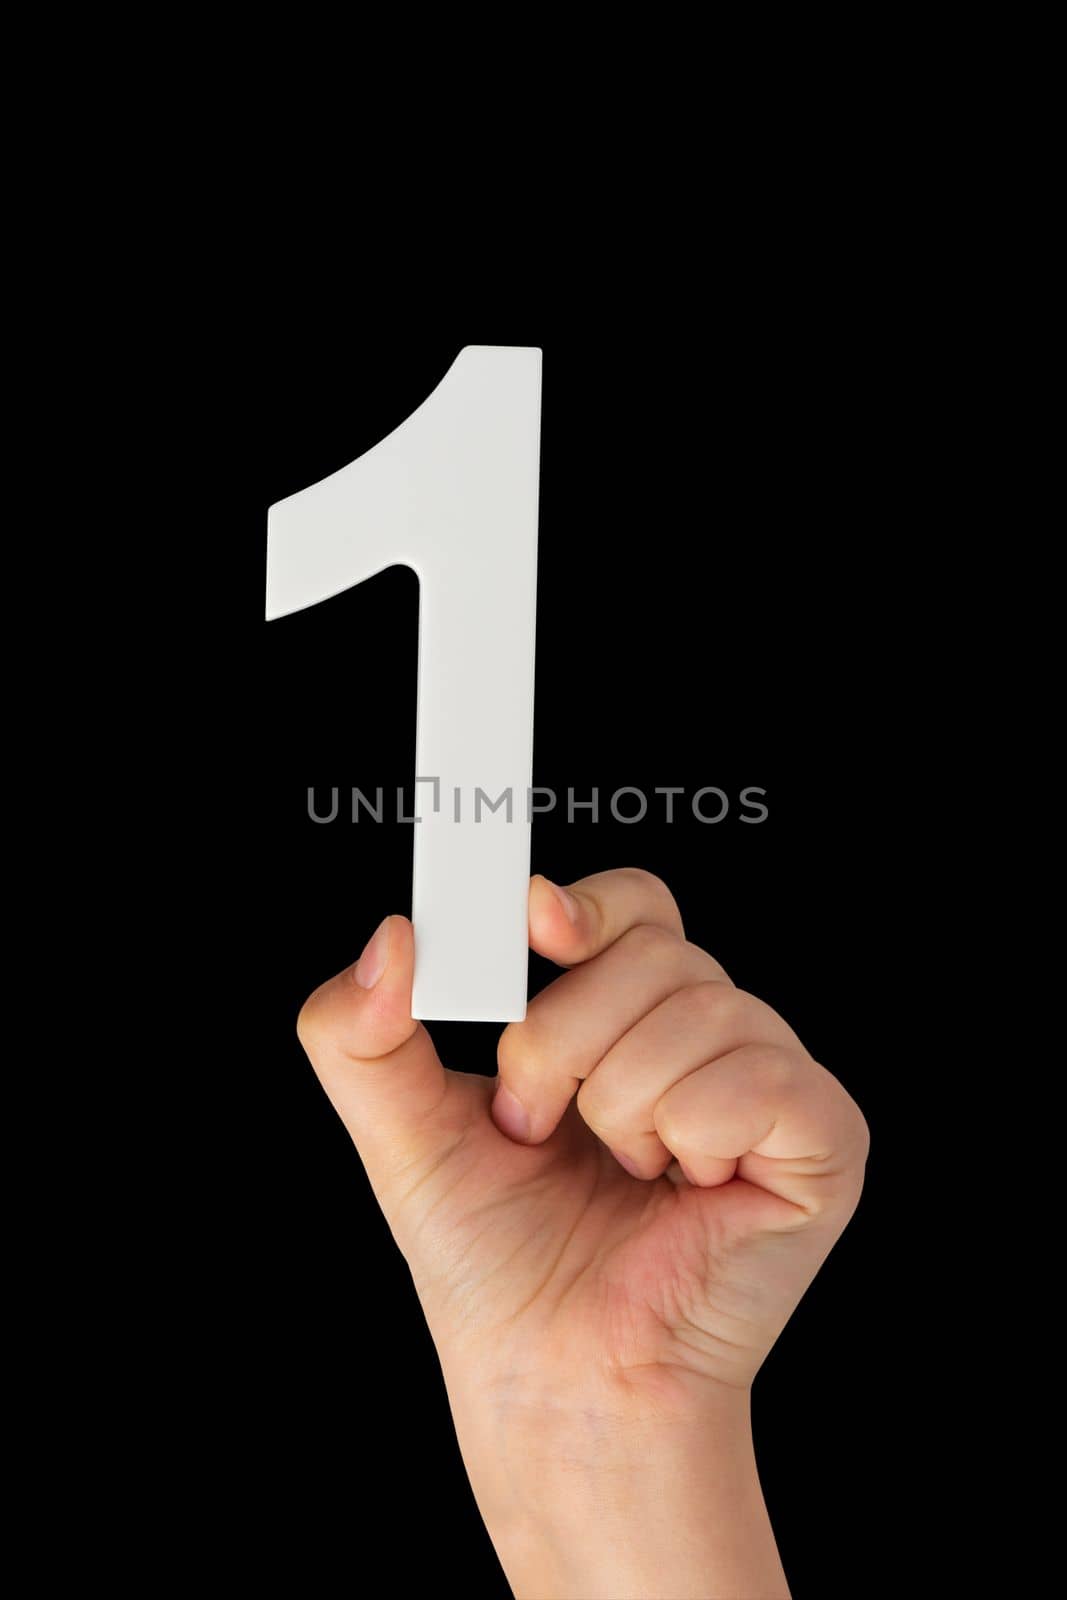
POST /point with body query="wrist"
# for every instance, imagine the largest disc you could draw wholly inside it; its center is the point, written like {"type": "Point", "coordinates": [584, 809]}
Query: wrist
{"type": "Point", "coordinates": [583, 1501]}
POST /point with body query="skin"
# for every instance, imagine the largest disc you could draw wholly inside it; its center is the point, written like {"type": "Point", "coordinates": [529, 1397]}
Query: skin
{"type": "Point", "coordinates": [607, 1239]}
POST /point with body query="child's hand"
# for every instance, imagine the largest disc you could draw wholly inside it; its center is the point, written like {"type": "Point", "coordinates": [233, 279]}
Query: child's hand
{"type": "Point", "coordinates": [607, 1249]}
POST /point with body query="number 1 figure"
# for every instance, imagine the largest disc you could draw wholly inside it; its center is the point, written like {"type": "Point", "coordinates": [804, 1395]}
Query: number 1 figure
{"type": "Point", "coordinates": [451, 493]}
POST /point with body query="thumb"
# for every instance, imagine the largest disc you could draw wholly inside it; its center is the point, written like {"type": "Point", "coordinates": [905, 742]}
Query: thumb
{"type": "Point", "coordinates": [378, 1067]}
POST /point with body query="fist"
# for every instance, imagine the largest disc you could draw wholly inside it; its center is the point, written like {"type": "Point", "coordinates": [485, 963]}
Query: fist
{"type": "Point", "coordinates": [643, 1193]}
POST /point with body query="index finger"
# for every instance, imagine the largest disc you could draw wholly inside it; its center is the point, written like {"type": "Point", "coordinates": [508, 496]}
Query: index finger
{"type": "Point", "coordinates": [575, 924]}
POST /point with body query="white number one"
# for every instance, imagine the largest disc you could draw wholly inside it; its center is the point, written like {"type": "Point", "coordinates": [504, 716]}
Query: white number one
{"type": "Point", "coordinates": [451, 493]}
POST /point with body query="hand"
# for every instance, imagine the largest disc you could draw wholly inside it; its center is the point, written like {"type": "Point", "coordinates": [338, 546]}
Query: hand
{"type": "Point", "coordinates": [608, 1239]}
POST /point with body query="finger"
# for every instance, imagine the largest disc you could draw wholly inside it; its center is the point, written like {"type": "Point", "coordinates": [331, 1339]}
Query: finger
{"type": "Point", "coordinates": [571, 1025]}
{"type": "Point", "coordinates": [690, 1027]}
{"type": "Point", "coordinates": [576, 923]}
{"type": "Point", "coordinates": [378, 1067]}
{"type": "Point", "coordinates": [772, 1116]}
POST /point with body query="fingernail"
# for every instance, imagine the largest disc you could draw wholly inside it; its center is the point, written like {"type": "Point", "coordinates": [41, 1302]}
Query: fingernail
{"type": "Point", "coordinates": [566, 900]}
{"type": "Point", "coordinates": [688, 1176]}
{"type": "Point", "coordinates": [371, 963]}
{"type": "Point", "coordinates": [624, 1161]}
{"type": "Point", "coordinates": [510, 1114]}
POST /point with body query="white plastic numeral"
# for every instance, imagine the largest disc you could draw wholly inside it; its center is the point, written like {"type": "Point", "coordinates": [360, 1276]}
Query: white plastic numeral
{"type": "Point", "coordinates": [451, 493]}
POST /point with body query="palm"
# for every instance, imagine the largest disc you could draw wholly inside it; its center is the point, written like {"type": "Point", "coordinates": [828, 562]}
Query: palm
{"type": "Point", "coordinates": [556, 1247]}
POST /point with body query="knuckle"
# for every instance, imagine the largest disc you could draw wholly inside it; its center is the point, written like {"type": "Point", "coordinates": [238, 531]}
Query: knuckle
{"type": "Point", "coordinates": [777, 1065]}
{"type": "Point", "coordinates": [703, 960]}
{"type": "Point", "coordinates": [651, 887]}
{"type": "Point", "coordinates": [646, 942]}
{"type": "Point", "coordinates": [643, 879]}
{"type": "Point", "coordinates": [713, 1003]}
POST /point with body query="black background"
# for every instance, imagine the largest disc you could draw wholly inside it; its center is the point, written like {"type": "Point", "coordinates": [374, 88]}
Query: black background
{"type": "Point", "coordinates": [724, 505]}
